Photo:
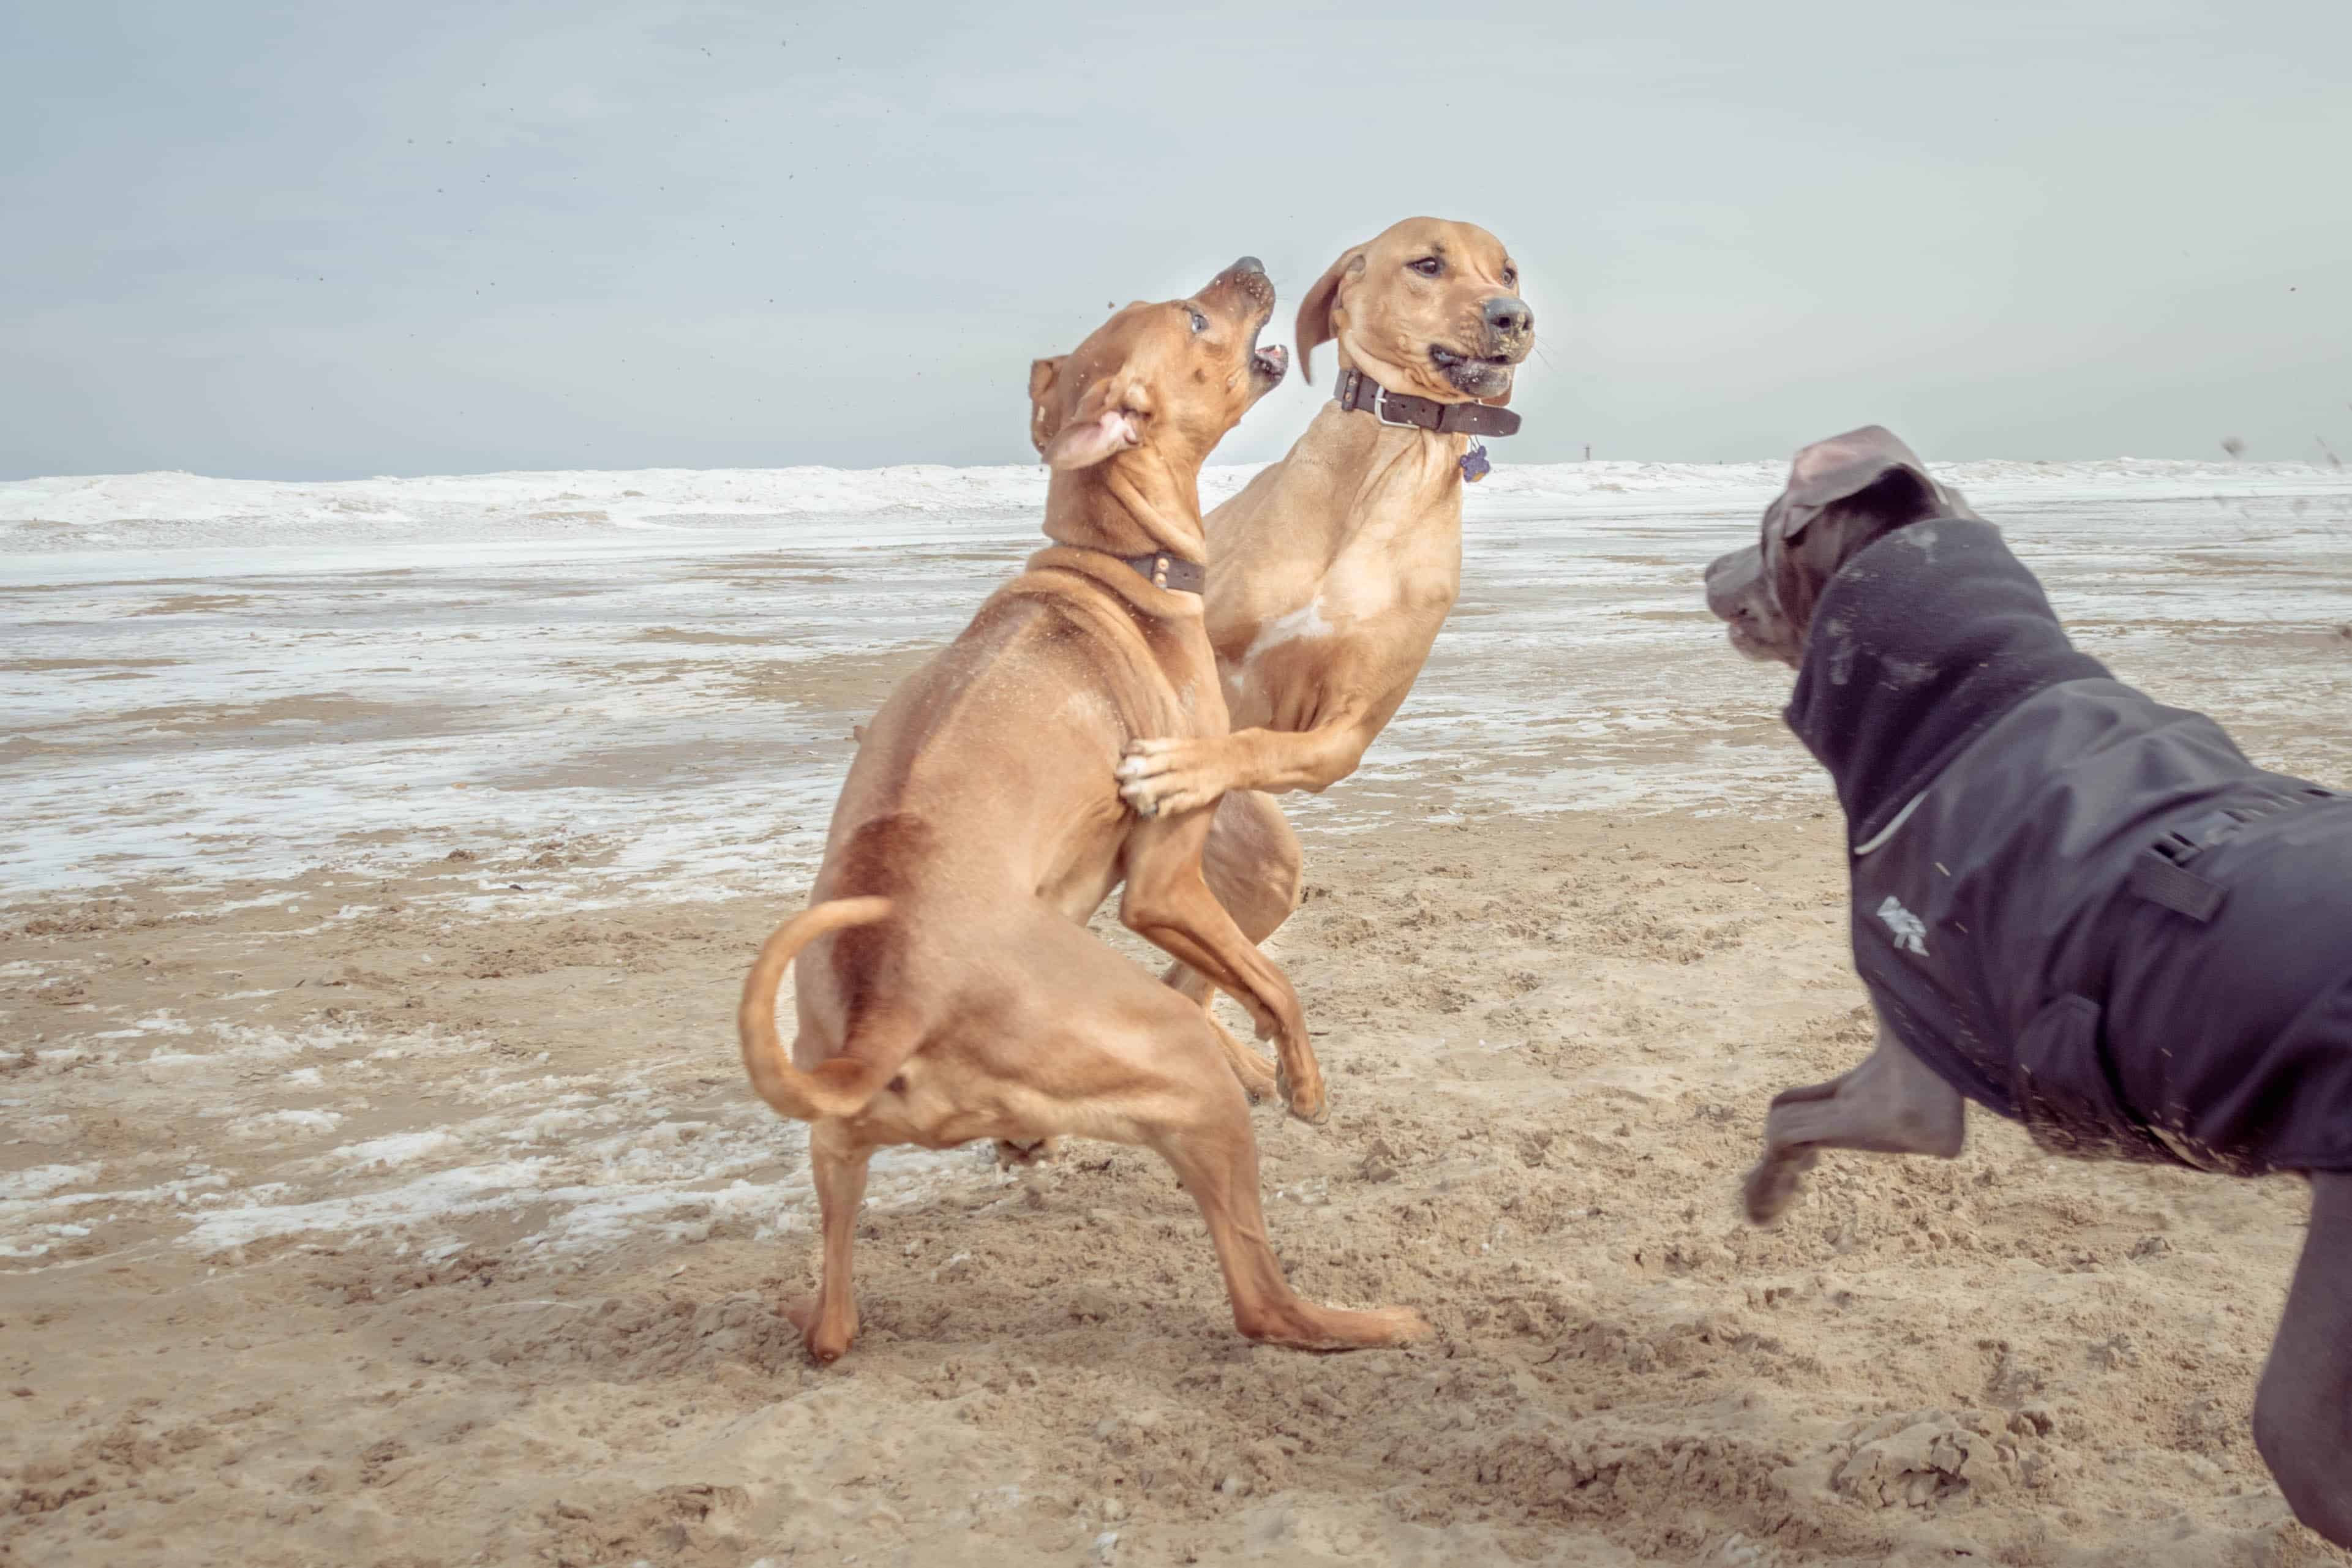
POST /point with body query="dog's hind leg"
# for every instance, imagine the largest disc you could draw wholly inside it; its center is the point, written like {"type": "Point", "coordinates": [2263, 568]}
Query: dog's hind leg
{"type": "Point", "coordinates": [2303, 1409]}
{"type": "Point", "coordinates": [828, 1320]}
{"type": "Point", "coordinates": [1215, 1157]}
{"type": "Point", "coordinates": [1891, 1104]}
{"type": "Point", "coordinates": [1191, 1112]}
{"type": "Point", "coordinates": [1252, 862]}
{"type": "Point", "coordinates": [1104, 1051]}
{"type": "Point", "coordinates": [1168, 903]}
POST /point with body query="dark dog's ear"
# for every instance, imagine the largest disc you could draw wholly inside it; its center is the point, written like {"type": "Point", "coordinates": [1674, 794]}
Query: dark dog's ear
{"type": "Point", "coordinates": [1843, 494]}
{"type": "Point", "coordinates": [1315, 310]}
{"type": "Point", "coordinates": [1868, 471]}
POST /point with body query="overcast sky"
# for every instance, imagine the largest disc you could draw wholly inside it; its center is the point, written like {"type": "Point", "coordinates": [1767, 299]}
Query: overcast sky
{"type": "Point", "coordinates": [327, 239]}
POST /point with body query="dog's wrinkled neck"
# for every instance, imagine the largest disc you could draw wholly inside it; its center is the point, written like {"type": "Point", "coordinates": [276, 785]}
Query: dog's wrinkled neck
{"type": "Point", "coordinates": [1130, 505]}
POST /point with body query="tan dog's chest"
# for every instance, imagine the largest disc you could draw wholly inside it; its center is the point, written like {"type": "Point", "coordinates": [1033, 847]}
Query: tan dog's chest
{"type": "Point", "coordinates": [1290, 621]}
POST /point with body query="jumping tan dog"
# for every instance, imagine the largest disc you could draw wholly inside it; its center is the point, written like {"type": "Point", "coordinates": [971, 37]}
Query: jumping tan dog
{"type": "Point", "coordinates": [1330, 575]}
{"type": "Point", "coordinates": [947, 987]}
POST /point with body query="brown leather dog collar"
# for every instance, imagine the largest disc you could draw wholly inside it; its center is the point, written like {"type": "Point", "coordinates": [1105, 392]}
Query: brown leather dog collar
{"type": "Point", "coordinates": [1172, 572]}
{"type": "Point", "coordinates": [1359, 391]}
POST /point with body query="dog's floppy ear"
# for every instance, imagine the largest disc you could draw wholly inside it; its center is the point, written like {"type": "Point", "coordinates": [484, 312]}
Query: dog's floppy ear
{"type": "Point", "coordinates": [1315, 310]}
{"type": "Point", "coordinates": [1042, 374]}
{"type": "Point", "coordinates": [1868, 473]}
{"type": "Point", "coordinates": [1082, 443]}
{"type": "Point", "coordinates": [1842, 495]}
{"type": "Point", "coordinates": [1107, 421]}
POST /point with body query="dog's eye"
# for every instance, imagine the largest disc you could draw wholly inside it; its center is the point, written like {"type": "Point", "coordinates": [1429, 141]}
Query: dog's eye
{"type": "Point", "coordinates": [1510, 278]}
{"type": "Point", "coordinates": [1428, 265]}
{"type": "Point", "coordinates": [1200, 322]}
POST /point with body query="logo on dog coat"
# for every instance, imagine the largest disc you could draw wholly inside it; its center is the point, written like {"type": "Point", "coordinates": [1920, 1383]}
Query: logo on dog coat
{"type": "Point", "coordinates": [1910, 931]}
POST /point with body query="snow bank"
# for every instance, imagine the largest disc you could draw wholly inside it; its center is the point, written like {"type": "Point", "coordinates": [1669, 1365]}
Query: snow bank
{"type": "Point", "coordinates": [161, 509]}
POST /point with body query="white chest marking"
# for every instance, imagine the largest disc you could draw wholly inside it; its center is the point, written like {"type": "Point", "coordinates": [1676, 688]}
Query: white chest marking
{"type": "Point", "coordinates": [1305, 622]}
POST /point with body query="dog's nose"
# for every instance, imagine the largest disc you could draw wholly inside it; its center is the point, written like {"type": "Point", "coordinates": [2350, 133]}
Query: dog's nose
{"type": "Point", "coordinates": [1507, 317]}
{"type": "Point", "coordinates": [1249, 264]}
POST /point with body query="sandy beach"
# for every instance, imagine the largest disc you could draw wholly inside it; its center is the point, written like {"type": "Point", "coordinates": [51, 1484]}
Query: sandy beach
{"type": "Point", "coordinates": [378, 1182]}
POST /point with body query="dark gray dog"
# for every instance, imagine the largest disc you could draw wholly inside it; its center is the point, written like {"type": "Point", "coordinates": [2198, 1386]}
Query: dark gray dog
{"type": "Point", "coordinates": [2072, 905]}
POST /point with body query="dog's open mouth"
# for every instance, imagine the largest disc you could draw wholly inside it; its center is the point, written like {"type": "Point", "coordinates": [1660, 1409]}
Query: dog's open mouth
{"type": "Point", "coordinates": [1269, 365]}
{"type": "Point", "coordinates": [1480, 375]}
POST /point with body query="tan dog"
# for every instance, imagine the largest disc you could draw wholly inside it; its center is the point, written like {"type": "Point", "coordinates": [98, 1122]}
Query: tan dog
{"type": "Point", "coordinates": [1331, 573]}
{"type": "Point", "coordinates": [947, 987]}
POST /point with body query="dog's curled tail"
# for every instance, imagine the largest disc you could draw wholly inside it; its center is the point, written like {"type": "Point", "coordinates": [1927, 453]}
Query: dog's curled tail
{"type": "Point", "coordinates": [840, 1087]}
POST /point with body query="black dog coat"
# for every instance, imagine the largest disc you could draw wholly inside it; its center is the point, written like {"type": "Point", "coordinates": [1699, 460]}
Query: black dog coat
{"type": "Point", "coordinates": [2082, 909]}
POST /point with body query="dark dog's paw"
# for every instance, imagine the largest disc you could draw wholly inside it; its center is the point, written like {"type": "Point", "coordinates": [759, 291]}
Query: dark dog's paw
{"type": "Point", "coordinates": [1807, 1093]}
{"type": "Point", "coordinates": [1771, 1185]}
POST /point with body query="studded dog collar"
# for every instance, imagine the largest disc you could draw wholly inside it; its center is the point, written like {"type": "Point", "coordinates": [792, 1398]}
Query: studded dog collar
{"type": "Point", "coordinates": [1172, 572]}
{"type": "Point", "coordinates": [1358, 393]}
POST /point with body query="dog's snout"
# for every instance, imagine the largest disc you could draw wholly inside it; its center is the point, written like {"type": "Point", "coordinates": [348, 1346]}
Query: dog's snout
{"type": "Point", "coordinates": [1509, 315]}
{"type": "Point", "coordinates": [1728, 579]}
{"type": "Point", "coordinates": [1244, 279]}
{"type": "Point", "coordinates": [1738, 595]}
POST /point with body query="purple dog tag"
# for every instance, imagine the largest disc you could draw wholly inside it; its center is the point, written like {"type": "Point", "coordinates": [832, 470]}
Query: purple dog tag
{"type": "Point", "coordinates": [1474, 465]}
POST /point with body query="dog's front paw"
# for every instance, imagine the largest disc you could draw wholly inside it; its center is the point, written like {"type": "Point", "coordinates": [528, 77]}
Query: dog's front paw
{"type": "Point", "coordinates": [1171, 775]}
{"type": "Point", "coordinates": [826, 1335]}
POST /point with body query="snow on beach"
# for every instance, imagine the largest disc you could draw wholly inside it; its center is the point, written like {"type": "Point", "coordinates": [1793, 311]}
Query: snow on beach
{"type": "Point", "coordinates": [127, 512]}
{"type": "Point", "coordinates": [257, 676]}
